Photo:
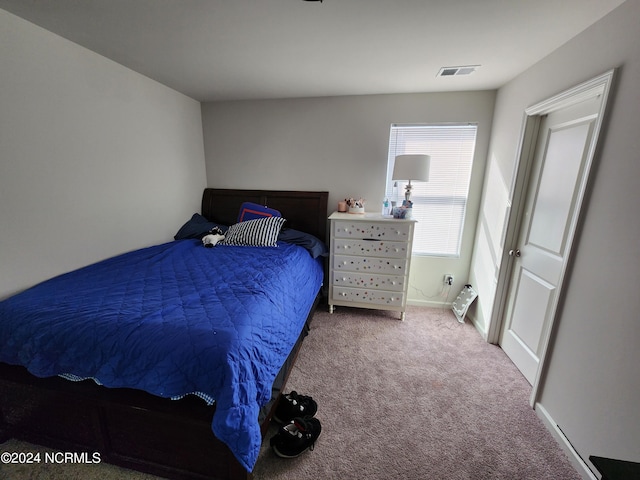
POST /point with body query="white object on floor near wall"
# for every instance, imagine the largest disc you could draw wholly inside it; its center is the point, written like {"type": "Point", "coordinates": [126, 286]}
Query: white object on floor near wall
{"type": "Point", "coordinates": [463, 301]}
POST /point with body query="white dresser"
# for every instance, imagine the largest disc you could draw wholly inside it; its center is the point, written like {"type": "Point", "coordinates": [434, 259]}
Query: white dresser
{"type": "Point", "coordinates": [369, 262]}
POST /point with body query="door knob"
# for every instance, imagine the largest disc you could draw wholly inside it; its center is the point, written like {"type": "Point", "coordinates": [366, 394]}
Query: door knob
{"type": "Point", "coordinates": [514, 253]}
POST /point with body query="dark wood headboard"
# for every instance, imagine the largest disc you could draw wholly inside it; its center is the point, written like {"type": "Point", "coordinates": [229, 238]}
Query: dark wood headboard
{"type": "Point", "coordinates": [304, 211]}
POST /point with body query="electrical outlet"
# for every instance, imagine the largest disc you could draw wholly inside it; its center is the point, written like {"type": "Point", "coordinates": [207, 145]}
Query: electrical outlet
{"type": "Point", "coordinates": [448, 279]}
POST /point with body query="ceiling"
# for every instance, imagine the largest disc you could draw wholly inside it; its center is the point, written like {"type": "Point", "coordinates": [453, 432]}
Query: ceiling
{"type": "Point", "coordinates": [248, 49]}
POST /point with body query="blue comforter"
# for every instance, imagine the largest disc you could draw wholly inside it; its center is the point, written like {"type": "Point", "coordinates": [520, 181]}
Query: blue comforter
{"type": "Point", "coordinates": [172, 319]}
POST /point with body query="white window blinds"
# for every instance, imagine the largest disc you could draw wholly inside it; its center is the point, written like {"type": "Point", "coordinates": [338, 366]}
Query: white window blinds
{"type": "Point", "coordinates": [439, 205]}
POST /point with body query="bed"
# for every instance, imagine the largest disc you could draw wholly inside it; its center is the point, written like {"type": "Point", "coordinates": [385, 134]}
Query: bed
{"type": "Point", "coordinates": [152, 380]}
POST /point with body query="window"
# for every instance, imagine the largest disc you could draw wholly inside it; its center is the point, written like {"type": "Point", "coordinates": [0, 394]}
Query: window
{"type": "Point", "coordinates": [439, 205]}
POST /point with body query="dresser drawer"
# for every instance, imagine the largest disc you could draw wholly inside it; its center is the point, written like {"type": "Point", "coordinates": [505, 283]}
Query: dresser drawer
{"type": "Point", "coordinates": [370, 248]}
{"type": "Point", "coordinates": [375, 230]}
{"type": "Point", "coordinates": [370, 296]}
{"type": "Point", "coordinates": [352, 263]}
{"type": "Point", "coordinates": [393, 283]}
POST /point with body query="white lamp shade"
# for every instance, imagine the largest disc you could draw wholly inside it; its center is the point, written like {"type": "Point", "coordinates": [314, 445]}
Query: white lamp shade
{"type": "Point", "coordinates": [411, 167]}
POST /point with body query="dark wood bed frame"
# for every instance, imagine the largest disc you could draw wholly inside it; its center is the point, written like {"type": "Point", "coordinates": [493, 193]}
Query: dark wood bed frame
{"type": "Point", "coordinates": [131, 428]}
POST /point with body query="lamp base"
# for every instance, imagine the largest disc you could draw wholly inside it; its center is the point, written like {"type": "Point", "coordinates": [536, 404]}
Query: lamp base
{"type": "Point", "coordinates": [407, 192]}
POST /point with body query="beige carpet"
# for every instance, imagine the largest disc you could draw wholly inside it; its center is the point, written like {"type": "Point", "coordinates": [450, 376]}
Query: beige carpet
{"type": "Point", "coordinates": [426, 398]}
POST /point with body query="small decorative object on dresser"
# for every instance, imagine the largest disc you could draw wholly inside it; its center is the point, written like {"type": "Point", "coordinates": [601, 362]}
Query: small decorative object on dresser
{"type": "Point", "coordinates": [355, 206]}
{"type": "Point", "coordinates": [369, 261]}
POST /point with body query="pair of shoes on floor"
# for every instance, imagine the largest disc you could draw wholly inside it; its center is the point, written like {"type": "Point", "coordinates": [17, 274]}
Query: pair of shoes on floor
{"type": "Point", "coordinates": [300, 429]}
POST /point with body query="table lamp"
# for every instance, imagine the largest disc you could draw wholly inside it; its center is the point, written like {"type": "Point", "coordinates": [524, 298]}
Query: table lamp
{"type": "Point", "coordinates": [411, 167]}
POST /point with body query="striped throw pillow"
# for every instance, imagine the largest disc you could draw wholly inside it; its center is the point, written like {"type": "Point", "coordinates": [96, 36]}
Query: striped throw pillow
{"type": "Point", "coordinates": [262, 232]}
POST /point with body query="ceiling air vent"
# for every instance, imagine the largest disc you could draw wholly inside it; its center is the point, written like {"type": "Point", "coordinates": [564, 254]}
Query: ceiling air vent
{"type": "Point", "coordinates": [456, 71]}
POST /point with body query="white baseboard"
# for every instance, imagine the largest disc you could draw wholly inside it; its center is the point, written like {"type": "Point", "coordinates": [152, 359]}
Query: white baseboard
{"type": "Point", "coordinates": [480, 328]}
{"type": "Point", "coordinates": [564, 443]}
{"type": "Point", "coordinates": [430, 303]}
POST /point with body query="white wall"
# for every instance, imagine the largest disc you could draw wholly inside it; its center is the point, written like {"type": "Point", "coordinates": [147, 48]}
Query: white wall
{"type": "Point", "coordinates": [94, 158]}
{"type": "Point", "coordinates": [592, 386]}
{"type": "Point", "coordinates": [340, 144]}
